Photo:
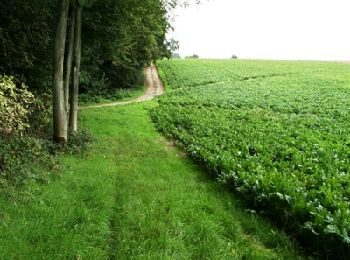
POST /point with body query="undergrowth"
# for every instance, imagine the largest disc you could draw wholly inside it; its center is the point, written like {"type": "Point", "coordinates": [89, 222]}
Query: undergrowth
{"type": "Point", "coordinates": [28, 158]}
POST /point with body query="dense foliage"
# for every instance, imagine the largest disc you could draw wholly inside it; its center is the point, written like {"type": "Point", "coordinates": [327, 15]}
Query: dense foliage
{"type": "Point", "coordinates": [26, 49]}
{"type": "Point", "coordinates": [118, 39]}
{"type": "Point", "coordinates": [15, 106]}
{"type": "Point", "coordinates": [277, 132]}
{"type": "Point", "coordinates": [24, 158]}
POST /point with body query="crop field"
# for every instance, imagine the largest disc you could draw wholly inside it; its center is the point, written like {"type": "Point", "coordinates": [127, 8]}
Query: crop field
{"type": "Point", "coordinates": [277, 132]}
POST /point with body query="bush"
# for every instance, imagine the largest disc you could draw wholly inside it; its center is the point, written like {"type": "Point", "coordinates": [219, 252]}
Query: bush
{"type": "Point", "coordinates": [24, 154]}
{"type": "Point", "coordinates": [40, 116]}
{"type": "Point", "coordinates": [23, 158]}
{"type": "Point", "coordinates": [15, 105]}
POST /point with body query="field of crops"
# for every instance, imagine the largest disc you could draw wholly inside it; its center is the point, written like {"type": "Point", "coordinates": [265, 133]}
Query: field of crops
{"type": "Point", "coordinates": [277, 132]}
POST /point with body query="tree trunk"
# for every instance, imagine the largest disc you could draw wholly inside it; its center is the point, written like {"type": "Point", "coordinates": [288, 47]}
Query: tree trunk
{"type": "Point", "coordinates": [59, 113]}
{"type": "Point", "coordinates": [69, 59]}
{"type": "Point", "coordinates": [73, 118]}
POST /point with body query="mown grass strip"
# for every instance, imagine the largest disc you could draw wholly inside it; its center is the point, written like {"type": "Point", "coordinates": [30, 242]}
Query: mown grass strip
{"type": "Point", "coordinates": [166, 207]}
{"type": "Point", "coordinates": [132, 196]}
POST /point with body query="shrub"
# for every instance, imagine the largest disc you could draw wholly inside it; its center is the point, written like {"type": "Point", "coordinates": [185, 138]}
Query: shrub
{"type": "Point", "coordinates": [40, 116]}
{"type": "Point", "coordinates": [14, 106]}
{"type": "Point", "coordinates": [23, 158]}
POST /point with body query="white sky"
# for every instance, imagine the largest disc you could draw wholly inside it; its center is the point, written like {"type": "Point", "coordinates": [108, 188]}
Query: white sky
{"type": "Point", "coordinates": [265, 29]}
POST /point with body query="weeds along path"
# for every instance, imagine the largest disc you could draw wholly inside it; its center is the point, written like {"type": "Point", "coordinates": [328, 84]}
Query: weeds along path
{"type": "Point", "coordinates": [154, 88]}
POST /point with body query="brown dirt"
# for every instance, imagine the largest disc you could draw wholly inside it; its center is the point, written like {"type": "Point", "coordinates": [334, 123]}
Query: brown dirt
{"type": "Point", "coordinates": [154, 88]}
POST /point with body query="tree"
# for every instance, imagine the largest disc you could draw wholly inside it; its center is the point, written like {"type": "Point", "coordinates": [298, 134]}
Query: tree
{"type": "Point", "coordinates": [73, 118]}
{"type": "Point", "coordinates": [61, 81]}
{"type": "Point", "coordinates": [26, 43]}
{"type": "Point", "coordinates": [175, 55]}
{"type": "Point", "coordinates": [60, 133]}
{"type": "Point", "coordinates": [69, 58]}
{"type": "Point", "coordinates": [120, 37]}
{"type": "Point", "coordinates": [194, 56]}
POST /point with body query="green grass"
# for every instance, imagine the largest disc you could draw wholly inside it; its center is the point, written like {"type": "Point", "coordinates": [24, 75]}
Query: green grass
{"type": "Point", "coordinates": [132, 196]}
{"type": "Point", "coordinates": [276, 132]}
{"type": "Point", "coordinates": [119, 94]}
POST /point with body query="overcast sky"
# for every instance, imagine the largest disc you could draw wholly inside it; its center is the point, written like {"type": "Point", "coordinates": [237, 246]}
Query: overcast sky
{"type": "Point", "coordinates": [265, 29]}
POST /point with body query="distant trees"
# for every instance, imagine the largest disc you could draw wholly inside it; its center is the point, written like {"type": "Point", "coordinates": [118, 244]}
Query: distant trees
{"type": "Point", "coordinates": [234, 56]}
{"type": "Point", "coordinates": [194, 56]}
{"type": "Point", "coordinates": [175, 55]}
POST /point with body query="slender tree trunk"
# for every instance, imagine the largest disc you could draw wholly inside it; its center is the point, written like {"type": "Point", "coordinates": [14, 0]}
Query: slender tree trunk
{"type": "Point", "coordinates": [73, 118]}
{"type": "Point", "coordinates": [59, 113]}
{"type": "Point", "coordinates": [69, 59]}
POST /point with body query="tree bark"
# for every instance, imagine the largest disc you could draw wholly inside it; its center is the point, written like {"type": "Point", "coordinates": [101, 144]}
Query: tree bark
{"type": "Point", "coordinates": [69, 59]}
{"type": "Point", "coordinates": [59, 113]}
{"type": "Point", "coordinates": [73, 118]}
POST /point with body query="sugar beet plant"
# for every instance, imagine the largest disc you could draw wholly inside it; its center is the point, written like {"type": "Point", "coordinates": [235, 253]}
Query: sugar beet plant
{"type": "Point", "coordinates": [277, 132]}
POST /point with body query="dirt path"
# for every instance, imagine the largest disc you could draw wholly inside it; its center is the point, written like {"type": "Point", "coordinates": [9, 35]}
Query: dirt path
{"type": "Point", "coordinates": [154, 88]}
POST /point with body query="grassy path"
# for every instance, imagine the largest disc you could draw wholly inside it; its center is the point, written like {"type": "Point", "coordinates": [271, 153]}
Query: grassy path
{"type": "Point", "coordinates": [133, 196]}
